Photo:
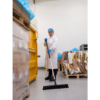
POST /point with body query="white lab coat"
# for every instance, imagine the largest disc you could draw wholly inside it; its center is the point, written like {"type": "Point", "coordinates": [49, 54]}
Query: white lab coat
{"type": "Point", "coordinates": [52, 44]}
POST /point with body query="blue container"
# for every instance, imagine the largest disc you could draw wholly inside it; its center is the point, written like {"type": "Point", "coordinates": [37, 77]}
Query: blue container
{"type": "Point", "coordinates": [26, 6]}
{"type": "Point", "coordinates": [74, 49]}
{"type": "Point", "coordinates": [59, 56]}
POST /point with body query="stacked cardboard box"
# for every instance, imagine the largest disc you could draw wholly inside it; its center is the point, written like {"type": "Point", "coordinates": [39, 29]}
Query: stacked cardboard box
{"type": "Point", "coordinates": [74, 62]}
{"type": "Point", "coordinates": [58, 64]}
{"type": "Point", "coordinates": [20, 62]}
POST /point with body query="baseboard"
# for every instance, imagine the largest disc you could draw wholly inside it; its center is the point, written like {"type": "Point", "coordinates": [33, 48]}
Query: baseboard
{"type": "Point", "coordinates": [41, 67]}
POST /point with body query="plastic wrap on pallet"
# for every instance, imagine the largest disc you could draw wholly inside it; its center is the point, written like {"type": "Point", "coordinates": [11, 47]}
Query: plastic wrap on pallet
{"type": "Point", "coordinates": [25, 4]}
{"type": "Point", "coordinates": [74, 49]}
{"type": "Point", "coordinates": [20, 62]}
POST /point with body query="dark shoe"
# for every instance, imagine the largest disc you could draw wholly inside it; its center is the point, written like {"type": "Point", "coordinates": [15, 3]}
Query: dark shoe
{"type": "Point", "coordinates": [52, 79]}
{"type": "Point", "coordinates": [48, 78]}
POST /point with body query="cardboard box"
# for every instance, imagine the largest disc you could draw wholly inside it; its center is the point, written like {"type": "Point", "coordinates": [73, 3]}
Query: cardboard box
{"type": "Point", "coordinates": [25, 45]}
{"type": "Point", "coordinates": [65, 64]}
{"type": "Point", "coordinates": [17, 57]}
{"type": "Point", "coordinates": [16, 91]}
{"type": "Point", "coordinates": [17, 6]}
{"type": "Point", "coordinates": [21, 87]}
{"type": "Point", "coordinates": [59, 61]}
{"type": "Point", "coordinates": [66, 56]}
{"type": "Point", "coordinates": [20, 46]}
{"type": "Point", "coordinates": [19, 70]}
{"type": "Point", "coordinates": [19, 98]}
{"type": "Point", "coordinates": [27, 58]}
{"type": "Point", "coordinates": [24, 86]}
{"type": "Point", "coordinates": [34, 24]}
{"type": "Point", "coordinates": [20, 63]}
{"type": "Point", "coordinates": [13, 91]}
{"type": "Point", "coordinates": [13, 65]}
{"type": "Point", "coordinates": [26, 34]}
{"type": "Point", "coordinates": [77, 61]}
{"type": "Point", "coordinates": [23, 73]}
{"type": "Point", "coordinates": [14, 83]}
{"type": "Point", "coordinates": [81, 69]}
{"type": "Point", "coordinates": [76, 55]}
{"type": "Point", "coordinates": [27, 92]}
{"type": "Point", "coordinates": [20, 58]}
{"type": "Point", "coordinates": [20, 32]}
{"type": "Point", "coordinates": [13, 57]}
{"type": "Point", "coordinates": [74, 64]}
{"type": "Point", "coordinates": [15, 28]}
{"type": "Point", "coordinates": [62, 58]}
{"type": "Point", "coordinates": [15, 44]}
{"type": "Point", "coordinates": [58, 64]}
{"type": "Point", "coordinates": [65, 67]}
{"type": "Point", "coordinates": [14, 72]}
{"type": "Point", "coordinates": [25, 15]}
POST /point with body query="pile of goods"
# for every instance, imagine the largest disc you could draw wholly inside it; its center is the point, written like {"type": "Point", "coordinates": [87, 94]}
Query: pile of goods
{"type": "Point", "coordinates": [74, 62]}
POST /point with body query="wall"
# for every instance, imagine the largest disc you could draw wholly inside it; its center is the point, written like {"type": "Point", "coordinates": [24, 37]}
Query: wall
{"type": "Point", "coordinates": [68, 18]}
{"type": "Point", "coordinates": [32, 5]}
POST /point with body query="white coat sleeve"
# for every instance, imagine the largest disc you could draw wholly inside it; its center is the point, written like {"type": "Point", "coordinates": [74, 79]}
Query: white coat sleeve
{"type": "Point", "coordinates": [54, 45]}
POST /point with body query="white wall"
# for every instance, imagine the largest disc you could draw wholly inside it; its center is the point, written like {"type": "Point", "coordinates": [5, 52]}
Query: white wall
{"type": "Point", "coordinates": [68, 18]}
{"type": "Point", "coordinates": [32, 5]}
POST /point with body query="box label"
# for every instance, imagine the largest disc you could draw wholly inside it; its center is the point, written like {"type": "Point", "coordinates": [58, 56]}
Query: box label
{"type": "Point", "coordinates": [13, 44]}
{"type": "Point", "coordinates": [20, 75]}
{"type": "Point", "coordinates": [26, 46]}
{"type": "Point", "coordinates": [21, 32]}
{"type": "Point", "coordinates": [26, 72]}
{"type": "Point", "coordinates": [20, 45]}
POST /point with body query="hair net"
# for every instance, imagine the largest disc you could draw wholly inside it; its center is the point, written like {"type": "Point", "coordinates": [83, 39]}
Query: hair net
{"type": "Point", "coordinates": [50, 30]}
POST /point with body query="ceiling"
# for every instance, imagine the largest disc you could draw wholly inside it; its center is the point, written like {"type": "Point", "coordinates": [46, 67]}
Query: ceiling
{"type": "Point", "coordinates": [33, 1]}
{"type": "Point", "coordinates": [43, 0]}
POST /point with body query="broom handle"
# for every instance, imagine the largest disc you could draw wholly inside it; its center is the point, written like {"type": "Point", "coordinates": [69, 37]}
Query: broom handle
{"type": "Point", "coordinates": [50, 61]}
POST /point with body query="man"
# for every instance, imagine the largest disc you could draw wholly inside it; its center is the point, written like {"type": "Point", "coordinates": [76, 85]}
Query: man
{"type": "Point", "coordinates": [52, 45]}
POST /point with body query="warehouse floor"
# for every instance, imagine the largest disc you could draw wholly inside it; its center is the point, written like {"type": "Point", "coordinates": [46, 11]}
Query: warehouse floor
{"type": "Point", "coordinates": [77, 88]}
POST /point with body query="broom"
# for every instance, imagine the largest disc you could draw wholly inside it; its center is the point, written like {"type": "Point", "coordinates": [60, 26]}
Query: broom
{"type": "Point", "coordinates": [55, 86]}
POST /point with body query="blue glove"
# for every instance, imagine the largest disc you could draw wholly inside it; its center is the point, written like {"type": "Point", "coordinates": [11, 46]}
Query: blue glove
{"type": "Point", "coordinates": [45, 39]}
{"type": "Point", "coordinates": [48, 50]}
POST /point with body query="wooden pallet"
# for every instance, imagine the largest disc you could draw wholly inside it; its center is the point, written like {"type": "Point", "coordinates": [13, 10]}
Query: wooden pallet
{"type": "Point", "coordinates": [25, 95]}
{"type": "Point", "coordinates": [76, 75]}
{"type": "Point", "coordinates": [17, 17]}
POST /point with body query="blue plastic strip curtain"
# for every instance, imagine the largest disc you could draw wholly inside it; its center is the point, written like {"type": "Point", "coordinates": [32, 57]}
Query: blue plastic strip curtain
{"type": "Point", "coordinates": [25, 4]}
{"type": "Point", "coordinates": [59, 56]}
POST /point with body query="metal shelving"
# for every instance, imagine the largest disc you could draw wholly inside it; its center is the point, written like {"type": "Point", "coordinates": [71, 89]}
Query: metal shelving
{"type": "Point", "coordinates": [84, 47]}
